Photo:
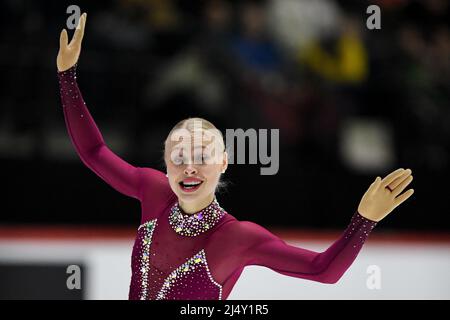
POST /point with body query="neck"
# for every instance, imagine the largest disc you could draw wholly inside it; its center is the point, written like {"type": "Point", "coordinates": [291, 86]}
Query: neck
{"type": "Point", "coordinates": [196, 206]}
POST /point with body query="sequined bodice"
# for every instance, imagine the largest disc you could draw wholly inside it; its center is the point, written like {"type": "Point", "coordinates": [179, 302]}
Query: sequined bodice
{"type": "Point", "coordinates": [184, 272]}
{"type": "Point", "coordinates": [189, 280]}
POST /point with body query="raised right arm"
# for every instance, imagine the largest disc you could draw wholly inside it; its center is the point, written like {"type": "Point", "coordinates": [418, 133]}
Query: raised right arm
{"type": "Point", "coordinates": [83, 131]}
{"type": "Point", "coordinates": [89, 143]}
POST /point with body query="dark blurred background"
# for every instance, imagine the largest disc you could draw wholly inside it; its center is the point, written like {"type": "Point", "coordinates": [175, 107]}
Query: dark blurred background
{"type": "Point", "coordinates": [350, 103]}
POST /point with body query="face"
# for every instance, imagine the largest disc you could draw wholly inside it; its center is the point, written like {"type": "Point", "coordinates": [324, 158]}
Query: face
{"type": "Point", "coordinates": [193, 168]}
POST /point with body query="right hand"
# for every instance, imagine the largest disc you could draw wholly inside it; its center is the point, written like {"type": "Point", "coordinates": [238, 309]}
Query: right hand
{"type": "Point", "coordinates": [69, 52]}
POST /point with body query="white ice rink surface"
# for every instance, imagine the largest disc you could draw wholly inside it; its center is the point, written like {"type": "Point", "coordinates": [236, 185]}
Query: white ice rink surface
{"type": "Point", "coordinates": [405, 271]}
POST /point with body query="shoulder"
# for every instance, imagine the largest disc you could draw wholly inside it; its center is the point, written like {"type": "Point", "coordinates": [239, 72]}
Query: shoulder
{"type": "Point", "coordinates": [240, 240]}
{"type": "Point", "coordinates": [247, 232]}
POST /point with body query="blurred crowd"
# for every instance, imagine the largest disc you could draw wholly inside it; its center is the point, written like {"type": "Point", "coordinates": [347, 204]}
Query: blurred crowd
{"type": "Point", "coordinates": [310, 68]}
{"type": "Point", "coordinates": [341, 94]}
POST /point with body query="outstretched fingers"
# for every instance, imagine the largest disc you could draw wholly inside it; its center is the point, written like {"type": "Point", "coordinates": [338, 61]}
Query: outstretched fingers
{"type": "Point", "coordinates": [79, 32]}
{"type": "Point", "coordinates": [400, 199]}
{"type": "Point", "coordinates": [391, 177]}
{"type": "Point", "coordinates": [63, 39]}
{"type": "Point", "coordinates": [374, 186]}
{"type": "Point", "coordinates": [394, 184]}
{"type": "Point", "coordinates": [399, 189]}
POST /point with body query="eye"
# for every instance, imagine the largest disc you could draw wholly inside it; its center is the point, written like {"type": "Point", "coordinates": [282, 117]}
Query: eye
{"type": "Point", "coordinates": [205, 157]}
{"type": "Point", "coordinates": [177, 157]}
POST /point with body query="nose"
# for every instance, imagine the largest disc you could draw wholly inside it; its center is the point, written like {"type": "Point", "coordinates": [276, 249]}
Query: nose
{"type": "Point", "coordinates": [190, 170]}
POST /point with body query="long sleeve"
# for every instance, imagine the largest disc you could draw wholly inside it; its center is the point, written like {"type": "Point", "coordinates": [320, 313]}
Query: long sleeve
{"type": "Point", "coordinates": [270, 251]}
{"type": "Point", "coordinates": [89, 143]}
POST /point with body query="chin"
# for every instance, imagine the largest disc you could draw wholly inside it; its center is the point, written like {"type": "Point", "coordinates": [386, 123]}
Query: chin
{"type": "Point", "coordinates": [190, 197]}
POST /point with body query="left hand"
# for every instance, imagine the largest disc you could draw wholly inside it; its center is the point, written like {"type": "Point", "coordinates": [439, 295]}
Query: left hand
{"type": "Point", "coordinates": [383, 195]}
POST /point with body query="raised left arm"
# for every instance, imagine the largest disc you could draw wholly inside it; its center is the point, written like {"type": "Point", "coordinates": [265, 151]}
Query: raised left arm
{"type": "Point", "coordinates": [327, 267]}
{"type": "Point", "coordinates": [265, 249]}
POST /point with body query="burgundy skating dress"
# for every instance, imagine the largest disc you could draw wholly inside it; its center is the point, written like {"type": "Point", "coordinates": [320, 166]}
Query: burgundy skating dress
{"type": "Point", "coordinates": [202, 255]}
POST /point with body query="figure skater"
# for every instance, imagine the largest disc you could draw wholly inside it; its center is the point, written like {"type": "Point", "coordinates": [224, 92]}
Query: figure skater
{"type": "Point", "coordinates": [187, 246]}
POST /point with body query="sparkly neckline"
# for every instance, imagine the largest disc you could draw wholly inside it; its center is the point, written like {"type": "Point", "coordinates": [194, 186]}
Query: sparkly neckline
{"type": "Point", "coordinates": [192, 225]}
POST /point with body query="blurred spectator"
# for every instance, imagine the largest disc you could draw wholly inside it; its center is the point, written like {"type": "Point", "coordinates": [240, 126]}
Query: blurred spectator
{"type": "Point", "coordinates": [297, 23]}
{"type": "Point", "coordinates": [342, 58]}
{"type": "Point", "coordinates": [123, 26]}
{"type": "Point", "coordinates": [253, 45]}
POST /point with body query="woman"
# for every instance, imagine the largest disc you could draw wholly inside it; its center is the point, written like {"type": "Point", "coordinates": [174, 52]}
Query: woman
{"type": "Point", "coordinates": [188, 246]}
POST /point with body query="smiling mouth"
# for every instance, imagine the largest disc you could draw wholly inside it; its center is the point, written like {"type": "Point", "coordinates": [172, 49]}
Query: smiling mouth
{"type": "Point", "coordinates": [190, 186]}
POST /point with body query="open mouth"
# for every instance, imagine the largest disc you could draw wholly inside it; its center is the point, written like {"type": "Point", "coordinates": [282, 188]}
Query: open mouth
{"type": "Point", "coordinates": [190, 185]}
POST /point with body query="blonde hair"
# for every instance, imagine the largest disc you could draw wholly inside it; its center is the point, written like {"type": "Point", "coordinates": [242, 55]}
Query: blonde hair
{"type": "Point", "coordinates": [190, 125]}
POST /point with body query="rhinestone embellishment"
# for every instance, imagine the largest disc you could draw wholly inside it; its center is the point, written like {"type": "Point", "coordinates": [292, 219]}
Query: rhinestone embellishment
{"type": "Point", "coordinates": [193, 265]}
{"type": "Point", "coordinates": [363, 228]}
{"type": "Point", "coordinates": [192, 225]}
{"type": "Point", "coordinates": [149, 227]}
